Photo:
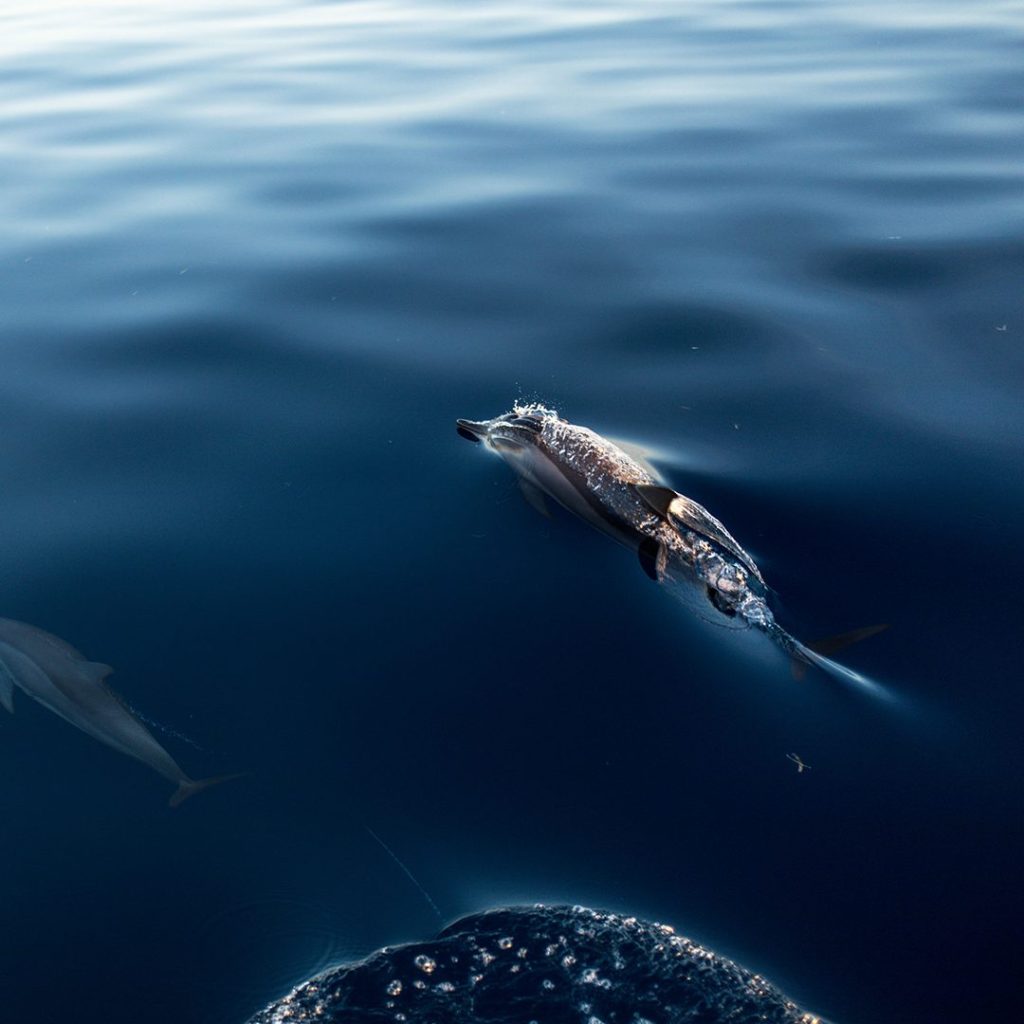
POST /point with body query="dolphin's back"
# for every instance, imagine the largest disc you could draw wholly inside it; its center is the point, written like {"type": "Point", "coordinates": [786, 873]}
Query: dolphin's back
{"type": "Point", "coordinates": [601, 473]}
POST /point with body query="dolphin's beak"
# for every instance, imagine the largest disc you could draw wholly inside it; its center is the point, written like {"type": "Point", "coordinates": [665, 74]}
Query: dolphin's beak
{"type": "Point", "coordinates": [470, 431]}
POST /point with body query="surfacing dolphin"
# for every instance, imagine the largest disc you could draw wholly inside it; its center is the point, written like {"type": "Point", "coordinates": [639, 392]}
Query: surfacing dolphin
{"type": "Point", "coordinates": [63, 680]}
{"type": "Point", "coordinates": [675, 538]}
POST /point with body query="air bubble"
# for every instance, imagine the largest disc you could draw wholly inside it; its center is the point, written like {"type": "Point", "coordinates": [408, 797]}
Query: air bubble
{"type": "Point", "coordinates": [425, 964]}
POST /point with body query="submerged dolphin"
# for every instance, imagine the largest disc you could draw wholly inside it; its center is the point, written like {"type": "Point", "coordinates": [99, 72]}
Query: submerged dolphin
{"type": "Point", "coordinates": [676, 538]}
{"type": "Point", "coordinates": [61, 679]}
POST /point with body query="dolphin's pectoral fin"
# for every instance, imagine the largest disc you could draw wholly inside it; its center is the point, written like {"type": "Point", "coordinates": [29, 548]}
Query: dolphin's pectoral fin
{"type": "Point", "coordinates": [653, 558]}
{"type": "Point", "coordinates": [677, 508]}
{"type": "Point", "coordinates": [534, 497]}
{"type": "Point", "coordinates": [6, 688]}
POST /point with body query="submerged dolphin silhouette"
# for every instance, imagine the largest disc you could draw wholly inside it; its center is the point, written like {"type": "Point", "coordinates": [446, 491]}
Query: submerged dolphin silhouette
{"type": "Point", "coordinates": [63, 680]}
{"type": "Point", "coordinates": [675, 538]}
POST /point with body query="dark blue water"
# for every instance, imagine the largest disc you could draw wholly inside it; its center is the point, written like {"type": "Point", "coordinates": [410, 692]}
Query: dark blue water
{"type": "Point", "coordinates": [257, 258]}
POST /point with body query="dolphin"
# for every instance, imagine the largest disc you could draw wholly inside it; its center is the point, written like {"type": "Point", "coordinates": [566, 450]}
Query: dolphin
{"type": "Point", "coordinates": [65, 681]}
{"type": "Point", "coordinates": [675, 538]}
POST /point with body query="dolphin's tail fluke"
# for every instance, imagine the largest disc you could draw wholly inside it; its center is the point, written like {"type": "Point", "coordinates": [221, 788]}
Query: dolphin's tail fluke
{"type": "Point", "coordinates": [834, 644]}
{"type": "Point", "coordinates": [189, 787]}
{"type": "Point", "coordinates": [818, 655]}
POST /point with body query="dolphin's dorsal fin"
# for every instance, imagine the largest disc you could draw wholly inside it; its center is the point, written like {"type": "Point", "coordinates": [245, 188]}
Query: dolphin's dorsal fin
{"type": "Point", "coordinates": [675, 506]}
{"type": "Point", "coordinates": [534, 496]}
{"type": "Point", "coordinates": [653, 558]}
{"type": "Point", "coordinates": [657, 498]}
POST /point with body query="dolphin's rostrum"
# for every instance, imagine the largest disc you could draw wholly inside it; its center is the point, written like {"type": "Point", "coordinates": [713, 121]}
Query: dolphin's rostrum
{"type": "Point", "coordinates": [63, 680]}
{"type": "Point", "coordinates": [675, 538]}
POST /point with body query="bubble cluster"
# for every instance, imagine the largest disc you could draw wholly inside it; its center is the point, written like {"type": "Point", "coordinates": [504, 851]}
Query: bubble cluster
{"type": "Point", "coordinates": [567, 964]}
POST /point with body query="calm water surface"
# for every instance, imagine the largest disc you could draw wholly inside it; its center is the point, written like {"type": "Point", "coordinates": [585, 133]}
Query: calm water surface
{"type": "Point", "coordinates": [256, 259]}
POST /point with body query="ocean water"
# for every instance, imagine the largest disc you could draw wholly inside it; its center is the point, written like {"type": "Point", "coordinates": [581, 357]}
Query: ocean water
{"type": "Point", "coordinates": [257, 257]}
